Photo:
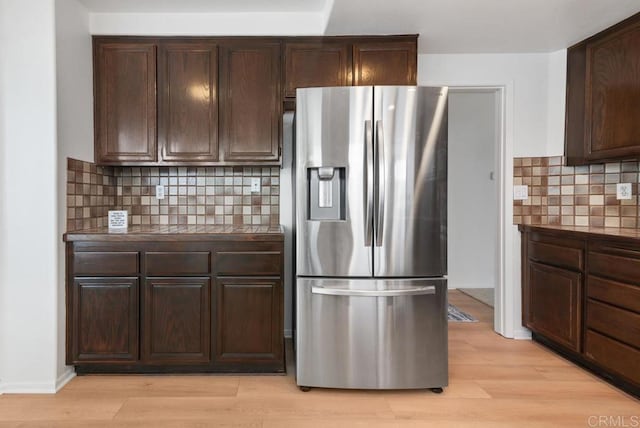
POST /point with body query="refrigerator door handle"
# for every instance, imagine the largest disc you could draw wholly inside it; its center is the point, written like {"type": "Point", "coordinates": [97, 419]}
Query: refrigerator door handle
{"type": "Point", "coordinates": [368, 184]}
{"type": "Point", "coordinates": [380, 181]}
{"type": "Point", "coordinates": [333, 291]}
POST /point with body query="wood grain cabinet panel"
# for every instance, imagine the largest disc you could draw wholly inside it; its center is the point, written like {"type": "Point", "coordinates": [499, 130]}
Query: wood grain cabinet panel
{"type": "Point", "coordinates": [187, 102]}
{"type": "Point", "coordinates": [245, 262]}
{"type": "Point", "coordinates": [598, 328]}
{"type": "Point", "coordinates": [250, 102]}
{"type": "Point", "coordinates": [614, 322]}
{"type": "Point", "coordinates": [603, 96]}
{"type": "Point", "coordinates": [555, 307]}
{"type": "Point", "coordinates": [384, 63]}
{"type": "Point", "coordinates": [93, 263]}
{"type": "Point", "coordinates": [125, 102]}
{"type": "Point", "coordinates": [177, 319]}
{"type": "Point", "coordinates": [612, 104]}
{"type": "Point", "coordinates": [104, 320]}
{"type": "Point", "coordinates": [174, 263]}
{"type": "Point", "coordinates": [248, 316]}
{"type": "Point", "coordinates": [316, 64]}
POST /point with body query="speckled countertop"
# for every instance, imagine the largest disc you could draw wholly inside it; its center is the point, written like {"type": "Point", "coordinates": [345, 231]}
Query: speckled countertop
{"type": "Point", "coordinates": [179, 232]}
{"type": "Point", "coordinates": [616, 232]}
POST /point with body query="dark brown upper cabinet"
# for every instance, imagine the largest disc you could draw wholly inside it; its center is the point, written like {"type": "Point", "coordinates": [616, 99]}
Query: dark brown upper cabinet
{"type": "Point", "coordinates": [250, 101]}
{"type": "Point", "coordinates": [316, 63]}
{"type": "Point", "coordinates": [187, 102]}
{"type": "Point", "coordinates": [603, 96]}
{"type": "Point", "coordinates": [125, 102]}
{"type": "Point", "coordinates": [219, 100]}
{"type": "Point", "coordinates": [384, 63]}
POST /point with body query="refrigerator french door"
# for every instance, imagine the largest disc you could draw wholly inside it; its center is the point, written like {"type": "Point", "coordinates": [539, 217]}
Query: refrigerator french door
{"type": "Point", "coordinates": [371, 183]}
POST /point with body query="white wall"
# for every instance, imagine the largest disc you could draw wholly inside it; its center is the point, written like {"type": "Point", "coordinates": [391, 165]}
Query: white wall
{"type": "Point", "coordinates": [208, 24]}
{"type": "Point", "coordinates": [556, 95]}
{"type": "Point", "coordinates": [472, 193]}
{"type": "Point", "coordinates": [533, 105]}
{"type": "Point", "coordinates": [75, 129]}
{"type": "Point", "coordinates": [4, 319]}
{"type": "Point", "coordinates": [29, 217]}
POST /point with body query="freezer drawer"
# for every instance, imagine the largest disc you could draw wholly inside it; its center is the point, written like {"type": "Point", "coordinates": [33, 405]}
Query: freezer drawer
{"type": "Point", "coordinates": [371, 333]}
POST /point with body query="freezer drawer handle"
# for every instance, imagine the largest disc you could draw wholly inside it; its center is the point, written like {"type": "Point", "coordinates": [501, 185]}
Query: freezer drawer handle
{"type": "Point", "coordinates": [417, 291]}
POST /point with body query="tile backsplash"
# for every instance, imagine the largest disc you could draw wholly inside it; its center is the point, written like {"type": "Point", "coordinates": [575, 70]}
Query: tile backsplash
{"type": "Point", "coordinates": [575, 196]}
{"type": "Point", "coordinates": [91, 193]}
{"type": "Point", "coordinates": [205, 195]}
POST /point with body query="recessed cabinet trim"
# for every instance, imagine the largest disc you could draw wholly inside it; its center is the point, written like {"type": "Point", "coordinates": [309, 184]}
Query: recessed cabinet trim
{"type": "Point", "coordinates": [187, 102]}
{"type": "Point", "coordinates": [603, 96]}
{"type": "Point", "coordinates": [125, 102]}
{"type": "Point", "coordinates": [250, 104]}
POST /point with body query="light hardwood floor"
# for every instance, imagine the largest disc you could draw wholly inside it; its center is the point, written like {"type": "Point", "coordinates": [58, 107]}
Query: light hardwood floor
{"type": "Point", "coordinates": [494, 382]}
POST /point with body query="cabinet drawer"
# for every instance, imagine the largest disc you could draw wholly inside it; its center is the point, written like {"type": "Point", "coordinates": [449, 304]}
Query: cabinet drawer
{"type": "Point", "coordinates": [616, 293]}
{"type": "Point", "coordinates": [105, 263]}
{"type": "Point", "coordinates": [266, 263]}
{"type": "Point", "coordinates": [169, 263]}
{"type": "Point", "coordinates": [614, 322]}
{"type": "Point", "coordinates": [613, 355]}
{"type": "Point", "coordinates": [556, 255]}
{"type": "Point", "coordinates": [616, 263]}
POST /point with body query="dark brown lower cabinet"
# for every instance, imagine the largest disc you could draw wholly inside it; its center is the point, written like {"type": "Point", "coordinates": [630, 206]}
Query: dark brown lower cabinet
{"type": "Point", "coordinates": [581, 297]}
{"type": "Point", "coordinates": [171, 305]}
{"type": "Point", "coordinates": [104, 320]}
{"type": "Point", "coordinates": [248, 312]}
{"type": "Point", "coordinates": [554, 306]}
{"type": "Point", "coordinates": [177, 321]}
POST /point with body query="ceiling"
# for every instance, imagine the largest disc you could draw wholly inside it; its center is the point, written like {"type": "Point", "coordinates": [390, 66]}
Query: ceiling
{"type": "Point", "coordinates": [445, 26]}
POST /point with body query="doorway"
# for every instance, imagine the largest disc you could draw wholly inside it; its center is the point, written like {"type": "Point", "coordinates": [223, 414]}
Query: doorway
{"type": "Point", "coordinates": [475, 133]}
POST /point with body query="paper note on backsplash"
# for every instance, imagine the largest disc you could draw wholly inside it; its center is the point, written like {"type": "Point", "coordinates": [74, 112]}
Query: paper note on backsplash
{"type": "Point", "coordinates": [117, 220]}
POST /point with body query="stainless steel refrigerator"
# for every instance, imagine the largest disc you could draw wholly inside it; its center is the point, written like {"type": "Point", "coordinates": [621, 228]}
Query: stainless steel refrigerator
{"type": "Point", "coordinates": [371, 237]}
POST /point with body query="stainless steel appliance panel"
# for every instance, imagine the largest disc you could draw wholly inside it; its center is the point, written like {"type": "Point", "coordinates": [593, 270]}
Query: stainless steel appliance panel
{"type": "Point", "coordinates": [371, 333]}
{"type": "Point", "coordinates": [334, 134]}
{"type": "Point", "coordinates": [410, 213]}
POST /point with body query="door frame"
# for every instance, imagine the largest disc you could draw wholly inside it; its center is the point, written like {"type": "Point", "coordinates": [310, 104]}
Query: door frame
{"type": "Point", "coordinates": [504, 293]}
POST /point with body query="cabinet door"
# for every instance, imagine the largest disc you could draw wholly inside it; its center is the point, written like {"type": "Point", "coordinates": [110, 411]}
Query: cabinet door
{"type": "Point", "coordinates": [612, 106]}
{"type": "Point", "coordinates": [188, 105]}
{"type": "Point", "coordinates": [125, 102]}
{"type": "Point", "coordinates": [104, 320]}
{"type": "Point", "coordinates": [250, 107]}
{"type": "Point", "coordinates": [249, 321]}
{"type": "Point", "coordinates": [315, 64]}
{"type": "Point", "coordinates": [384, 63]}
{"type": "Point", "coordinates": [555, 304]}
{"type": "Point", "coordinates": [177, 319]}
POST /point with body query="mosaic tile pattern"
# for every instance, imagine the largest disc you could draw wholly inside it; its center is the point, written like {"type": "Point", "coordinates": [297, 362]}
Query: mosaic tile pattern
{"type": "Point", "coordinates": [91, 193]}
{"type": "Point", "coordinates": [575, 196]}
{"type": "Point", "coordinates": [193, 196]}
{"type": "Point", "coordinates": [212, 195]}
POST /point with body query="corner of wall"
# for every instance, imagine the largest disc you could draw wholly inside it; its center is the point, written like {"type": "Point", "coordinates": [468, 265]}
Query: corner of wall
{"type": "Point", "coordinates": [556, 94]}
{"type": "Point", "coordinates": [64, 378]}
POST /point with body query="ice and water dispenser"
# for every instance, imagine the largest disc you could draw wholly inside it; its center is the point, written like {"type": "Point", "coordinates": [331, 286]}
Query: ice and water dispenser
{"type": "Point", "coordinates": [326, 193]}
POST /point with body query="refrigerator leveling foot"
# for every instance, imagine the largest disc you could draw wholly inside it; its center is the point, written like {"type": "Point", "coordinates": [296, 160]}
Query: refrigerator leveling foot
{"type": "Point", "coordinates": [305, 388]}
{"type": "Point", "coordinates": [437, 390]}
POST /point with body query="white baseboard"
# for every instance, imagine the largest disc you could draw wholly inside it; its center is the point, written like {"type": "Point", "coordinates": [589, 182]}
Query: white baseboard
{"type": "Point", "coordinates": [38, 387]}
{"type": "Point", "coordinates": [522, 334]}
{"type": "Point", "coordinates": [64, 378]}
{"type": "Point", "coordinates": [28, 388]}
